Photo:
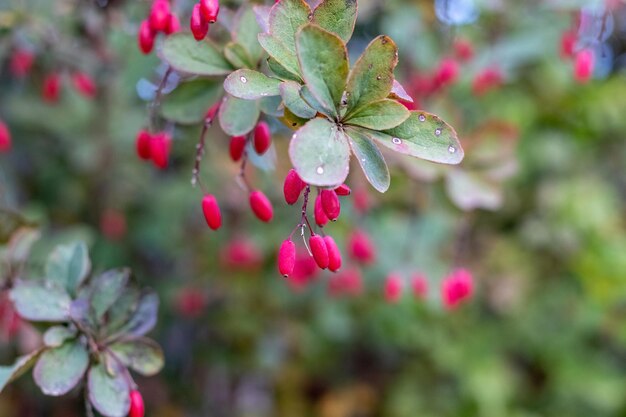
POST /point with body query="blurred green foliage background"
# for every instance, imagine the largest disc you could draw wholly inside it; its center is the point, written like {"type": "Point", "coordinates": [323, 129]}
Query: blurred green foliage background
{"type": "Point", "coordinates": [536, 212]}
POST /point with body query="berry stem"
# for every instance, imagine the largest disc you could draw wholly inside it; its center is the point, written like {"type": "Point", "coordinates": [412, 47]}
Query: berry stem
{"type": "Point", "coordinates": [200, 150]}
{"type": "Point", "coordinates": [154, 105]}
{"type": "Point", "coordinates": [242, 180]}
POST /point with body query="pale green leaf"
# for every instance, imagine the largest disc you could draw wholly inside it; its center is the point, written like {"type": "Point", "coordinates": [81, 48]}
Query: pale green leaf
{"type": "Point", "coordinates": [189, 102]}
{"type": "Point", "coordinates": [68, 266]}
{"type": "Point", "coordinates": [143, 355]}
{"type": "Point", "coordinates": [285, 18]}
{"type": "Point", "coordinates": [109, 394]}
{"type": "Point", "coordinates": [55, 336]}
{"type": "Point", "coordinates": [245, 32]}
{"type": "Point", "coordinates": [237, 116]}
{"type": "Point", "coordinates": [58, 370]}
{"type": "Point", "coordinates": [337, 16]}
{"type": "Point", "coordinates": [237, 55]}
{"type": "Point", "coordinates": [36, 302]}
{"type": "Point", "coordinates": [250, 85]}
{"type": "Point", "coordinates": [19, 367]}
{"type": "Point", "coordinates": [379, 115]}
{"type": "Point", "coordinates": [106, 290]}
{"type": "Point", "coordinates": [279, 52]}
{"type": "Point", "coordinates": [290, 93]}
{"type": "Point", "coordinates": [371, 160]}
{"type": "Point", "coordinates": [183, 53]}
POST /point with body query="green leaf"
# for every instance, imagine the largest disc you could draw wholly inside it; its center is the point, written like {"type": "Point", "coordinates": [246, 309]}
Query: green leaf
{"type": "Point", "coordinates": [237, 55]}
{"type": "Point", "coordinates": [290, 92]}
{"type": "Point", "coordinates": [190, 101]}
{"type": "Point", "coordinates": [371, 160]}
{"type": "Point", "coordinates": [307, 96]}
{"type": "Point", "coordinates": [323, 63]}
{"type": "Point", "coordinates": [320, 153]}
{"type": "Point", "coordinates": [262, 14]}
{"type": "Point", "coordinates": [20, 244]}
{"type": "Point", "coordinates": [277, 50]}
{"type": "Point", "coordinates": [371, 78]}
{"type": "Point", "coordinates": [237, 116]}
{"type": "Point", "coordinates": [245, 32]}
{"type": "Point", "coordinates": [68, 266]}
{"type": "Point", "coordinates": [379, 115]}
{"type": "Point", "coordinates": [425, 136]}
{"type": "Point", "coordinates": [59, 370]}
{"type": "Point", "coordinates": [281, 72]}
{"type": "Point", "coordinates": [55, 336]}
{"type": "Point", "coordinates": [187, 55]}
{"type": "Point", "coordinates": [271, 106]}
{"type": "Point", "coordinates": [109, 394]}
{"type": "Point", "coordinates": [19, 367]}
{"type": "Point", "coordinates": [35, 302]}
{"type": "Point", "coordinates": [143, 355]}
{"type": "Point", "coordinates": [292, 121]}
{"type": "Point", "coordinates": [286, 17]}
{"type": "Point", "coordinates": [106, 289]}
{"type": "Point", "coordinates": [122, 309]}
{"type": "Point", "coordinates": [251, 85]}
{"type": "Point", "coordinates": [337, 16]}
{"type": "Point", "coordinates": [145, 315]}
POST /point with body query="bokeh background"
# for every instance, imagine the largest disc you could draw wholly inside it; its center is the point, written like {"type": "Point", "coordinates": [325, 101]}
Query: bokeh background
{"type": "Point", "coordinates": [536, 212]}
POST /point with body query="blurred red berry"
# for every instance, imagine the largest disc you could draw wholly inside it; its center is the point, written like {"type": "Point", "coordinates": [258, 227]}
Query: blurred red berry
{"type": "Point", "coordinates": [583, 66]}
{"type": "Point", "coordinates": [173, 24]}
{"type": "Point", "coordinates": [21, 62]}
{"type": "Point", "coordinates": [319, 251]}
{"type": "Point", "coordinates": [287, 257]}
{"type": "Point", "coordinates": [334, 255]}
{"type": "Point", "coordinates": [159, 15]}
{"type": "Point", "coordinates": [568, 43]}
{"type": "Point", "coordinates": [10, 321]}
{"type": "Point", "coordinates": [84, 84]}
{"type": "Point", "coordinates": [136, 404]}
{"type": "Point", "coordinates": [5, 137]}
{"type": "Point", "coordinates": [261, 206]}
{"type": "Point", "coordinates": [346, 283]}
{"type": "Point", "coordinates": [410, 105]}
{"type": "Point", "coordinates": [241, 253]}
{"type": "Point", "coordinates": [160, 146]}
{"type": "Point", "coordinates": [419, 285]}
{"type": "Point", "coordinates": [210, 9]}
{"type": "Point", "coordinates": [293, 186]}
{"type": "Point", "coordinates": [343, 190]}
{"type": "Point", "coordinates": [330, 204]}
{"type": "Point", "coordinates": [113, 224]}
{"type": "Point", "coordinates": [456, 288]}
{"type": "Point", "coordinates": [393, 288]}
{"type": "Point", "coordinates": [447, 72]}
{"type": "Point", "coordinates": [237, 145]}
{"type": "Point", "coordinates": [145, 37]}
{"type": "Point", "coordinates": [211, 211]}
{"type": "Point", "coordinates": [463, 49]}
{"type": "Point", "coordinates": [142, 144]}
{"type": "Point", "coordinates": [198, 25]}
{"type": "Point", "coordinates": [305, 269]}
{"type": "Point", "coordinates": [51, 87]}
{"type": "Point", "coordinates": [190, 302]}
{"type": "Point", "coordinates": [318, 212]}
{"type": "Point", "coordinates": [262, 138]}
{"type": "Point", "coordinates": [361, 199]}
{"type": "Point", "coordinates": [361, 248]}
{"type": "Point", "coordinates": [487, 79]}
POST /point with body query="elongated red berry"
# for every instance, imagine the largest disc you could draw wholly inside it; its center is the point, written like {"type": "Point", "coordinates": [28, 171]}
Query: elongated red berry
{"type": "Point", "coordinates": [21, 62]}
{"type": "Point", "coordinates": [84, 84]}
{"type": "Point", "coordinates": [262, 138]}
{"type": "Point", "coordinates": [456, 288]}
{"type": "Point", "coordinates": [261, 206]}
{"type": "Point", "coordinates": [463, 49]}
{"type": "Point", "coordinates": [583, 66]}
{"type": "Point", "coordinates": [319, 251]}
{"type": "Point", "coordinates": [142, 143]}
{"type": "Point", "coordinates": [160, 149]}
{"type": "Point", "coordinates": [334, 255]}
{"type": "Point", "coordinates": [393, 288]}
{"type": "Point", "coordinates": [419, 285]}
{"type": "Point", "coordinates": [343, 190]}
{"type": "Point", "coordinates": [447, 72]}
{"type": "Point", "coordinates": [237, 145]}
{"type": "Point", "coordinates": [211, 211]}
{"type": "Point", "coordinates": [486, 80]}
{"type": "Point", "coordinates": [361, 248]}
{"type": "Point", "coordinates": [330, 204]}
{"type": "Point", "coordinates": [145, 37]}
{"type": "Point", "coordinates": [51, 88]}
{"type": "Point", "coordinates": [198, 25]}
{"type": "Point", "coordinates": [173, 24]}
{"type": "Point", "coordinates": [159, 15]}
{"type": "Point", "coordinates": [287, 258]}
{"type": "Point", "coordinates": [210, 9]}
{"type": "Point", "coordinates": [293, 186]}
{"type": "Point", "coordinates": [568, 43]}
{"type": "Point", "coordinates": [5, 137]}
{"type": "Point", "coordinates": [318, 211]}
{"type": "Point", "coordinates": [136, 404]}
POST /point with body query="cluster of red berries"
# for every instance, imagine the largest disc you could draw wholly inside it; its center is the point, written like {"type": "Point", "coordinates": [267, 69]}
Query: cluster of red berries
{"type": "Point", "coordinates": [155, 147]}
{"type": "Point", "coordinates": [82, 83]}
{"type": "Point", "coordinates": [5, 137]}
{"type": "Point", "coordinates": [583, 58]}
{"type": "Point", "coordinates": [160, 19]}
{"type": "Point", "coordinates": [203, 14]}
{"type": "Point", "coordinates": [137, 408]}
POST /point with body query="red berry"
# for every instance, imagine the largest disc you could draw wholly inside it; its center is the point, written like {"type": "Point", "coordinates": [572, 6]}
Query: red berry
{"type": "Point", "coordinates": [21, 62]}
{"type": "Point", "coordinates": [113, 224]}
{"type": "Point", "coordinates": [84, 84]}
{"type": "Point", "coordinates": [211, 211]}
{"type": "Point", "coordinates": [210, 9]}
{"type": "Point", "coordinates": [486, 80]}
{"type": "Point", "coordinates": [198, 25]}
{"type": "Point", "coordinates": [456, 288]}
{"type": "Point", "coordinates": [347, 282]}
{"type": "Point", "coordinates": [241, 254]}
{"type": "Point", "coordinates": [447, 72]}
{"type": "Point", "coordinates": [343, 190]}
{"type": "Point", "coordinates": [173, 24]}
{"type": "Point", "coordinates": [261, 206]}
{"type": "Point", "coordinates": [5, 137]}
{"type": "Point", "coordinates": [330, 204]}
{"type": "Point", "coordinates": [293, 186]}
{"type": "Point", "coordinates": [583, 66]}
{"type": "Point", "coordinates": [51, 87]}
{"type": "Point", "coordinates": [142, 144]}
{"type": "Point", "coordinates": [320, 216]}
{"type": "Point", "coordinates": [159, 15]}
{"type": "Point", "coordinates": [287, 258]}
{"type": "Point", "coordinates": [361, 248]}
{"type": "Point", "coordinates": [361, 200]}
{"type": "Point", "coordinates": [237, 145]}
{"type": "Point", "coordinates": [463, 49]}
{"type": "Point", "coordinates": [393, 288]}
{"type": "Point", "coordinates": [190, 302]}
{"type": "Point", "coordinates": [319, 251]}
{"type": "Point", "coordinates": [160, 149]}
{"type": "Point", "coordinates": [568, 42]}
{"type": "Point", "coordinates": [145, 37]}
{"type": "Point", "coordinates": [419, 285]}
{"type": "Point", "coordinates": [334, 255]}
{"type": "Point", "coordinates": [262, 138]}
{"type": "Point", "coordinates": [136, 404]}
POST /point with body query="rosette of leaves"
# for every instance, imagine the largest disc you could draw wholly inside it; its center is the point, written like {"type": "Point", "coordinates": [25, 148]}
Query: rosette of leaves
{"type": "Point", "coordinates": [94, 331]}
{"type": "Point", "coordinates": [205, 64]}
{"type": "Point", "coordinates": [337, 111]}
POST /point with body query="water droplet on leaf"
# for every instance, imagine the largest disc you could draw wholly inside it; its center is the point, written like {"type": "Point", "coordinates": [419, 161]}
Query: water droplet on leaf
{"type": "Point", "coordinates": [243, 79]}
{"type": "Point", "coordinates": [397, 141]}
{"type": "Point", "coordinates": [320, 170]}
{"type": "Point", "coordinates": [437, 132]}
{"type": "Point", "coordinates": [422, 118]}
{"type": "Point", "coordinates": [451, 149]}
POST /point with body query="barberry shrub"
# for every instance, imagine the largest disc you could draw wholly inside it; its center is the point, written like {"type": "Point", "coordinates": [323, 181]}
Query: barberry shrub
{"type": "Point", "coordinates": [94, 332]}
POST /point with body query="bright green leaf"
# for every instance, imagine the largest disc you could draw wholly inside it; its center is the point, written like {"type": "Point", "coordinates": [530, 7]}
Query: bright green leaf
{"type": "Point", "coordinates": [237, 55]}
{"type": "Point", "coordinates": [68, 266]}
{"type": "Point", "coordinates": [371, 78]}
{"type": "Point", "coordinates": [187, 55]}
{"type": "Point", "coordinates": [142, 355]}
{"type": "Point", "coordinates": [245, 32]}
{"type": "Point", "coordinates": [59, 370]}
{"type": "Point", "coordinates": [337, 16]}
{"type": "Point", "coordinates": [286, 17]}
{"type": "Point", "coordinates": [109, 394]}
{"type": "Point", "coordinates": [379, 115]}
{"type": "Point", "coordinates": [35, 302]}
{"type": "Point", "coordinates": [290, 92]}
{"type": "Point", "coordinates": [320, 153]}
{"type": "Point", "coordinates": [106, 289]}
{"type": "Point", "coordinates": [21, 365]}
{"type": "Point", "coordinates": [190, 101]}
{"type": "Point", "coordinates": [371, 160]}
{"type": "Point", "coordinates": [324, 65]}
{"type": "Point", "coordinates": [55, 336]}
{"type": "Point", "coordinates": [251, 85]}
{"type": "Point", "coordinates": [279, 52]}
{"type": "Point", "coordinates": [237, 116]}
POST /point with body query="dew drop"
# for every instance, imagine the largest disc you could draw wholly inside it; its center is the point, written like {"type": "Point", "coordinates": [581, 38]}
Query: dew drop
{"type": "Point", "coordinates": [263, 94]}
{"type": "Point", "coordinates": [437, 132]}
{"type": "Point", "coordinates": [451, 149]}
{"type": "Point", "coordinates": [293, 136]}
{"type": "Point", "coordinates": [397, 141]}
{"type": "Point", "coordinates": [378, 77]}
{"type": "Point", "coordinates": [320, 170]}
{"type": "Point", "coordinates": [243, 79]}
{"type": "Point", "coordinates": [422, 118]}
{"type": "Point", "coordinates": [194, 181]}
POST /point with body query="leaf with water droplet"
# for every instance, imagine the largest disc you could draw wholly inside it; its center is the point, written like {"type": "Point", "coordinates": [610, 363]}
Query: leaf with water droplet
{"type": "Point", "coordinates": [290, 92]}
{"type": "Point", "coordinates": [183, 53]}
{"type": "Point", "coordinates": [251, 85]}
{"type": "Point", "coordinates": [379, 115]}
{"type": "Point", "coordinates": [336, 16]}
{"type": "Point", "coordinates": [320, 153]}
{"type": "Point", "coordinates": [238, 116]}
{"type": "Point", "coordinates": [371, 160]}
